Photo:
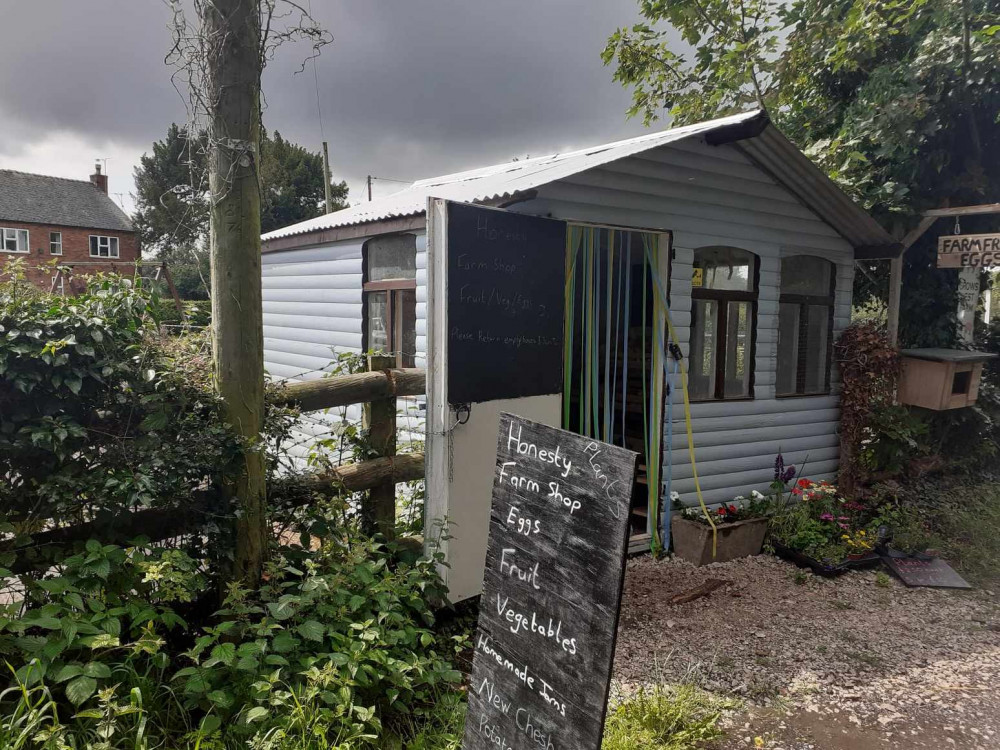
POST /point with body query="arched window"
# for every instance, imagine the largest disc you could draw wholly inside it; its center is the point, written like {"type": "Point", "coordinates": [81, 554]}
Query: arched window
{"type": "Point", "coordinates": [805, 325]}
{"type": "Point", "coordinates": [723, 323]}
{"type": "Point", "coordinates": [390, 296]}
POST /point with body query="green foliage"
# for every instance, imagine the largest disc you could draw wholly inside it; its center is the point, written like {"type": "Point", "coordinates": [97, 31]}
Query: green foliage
{"type": "Point", "coordinates": [958, 516]}
{"type": "Point", "coordinates": [895, 436]}
{"type": "Point", "coordinates": [115, 646]}
{"type": "Point", "coordinates": [823, 525]}
{"type": "Point", "coordinates": [731, 67]}
{"type": "Point", "coordinates": [96, 416]}
{"type": "Point", "coordinates": [665, 718]}
{"type": "Point", "coordinates": [292, 177]}
{"type": "Point", "coordinates": [170, 185]}
{"type": "Point", "coordinates": [895, 100]}
{"type": "Point", "coordinates": [869, 368]}
{"type": "Point", "coordinates": [172, 210]}
{"type": "Point", "coordinates": [336, 653]}
{"type": "Point", "coordinates": [349, 631]}
{"type": "Point", "coordinates": [108, 606]}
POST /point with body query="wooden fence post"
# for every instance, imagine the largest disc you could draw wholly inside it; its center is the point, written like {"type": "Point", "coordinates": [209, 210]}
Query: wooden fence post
{"type": "Point", "coordinates": [379, 512]}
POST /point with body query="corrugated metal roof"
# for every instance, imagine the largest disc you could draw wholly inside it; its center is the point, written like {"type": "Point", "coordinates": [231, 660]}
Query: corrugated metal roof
{"type": "Point", "coordinates": [41, 199]}
{"type": "Point", "coordinates": [775, 154]}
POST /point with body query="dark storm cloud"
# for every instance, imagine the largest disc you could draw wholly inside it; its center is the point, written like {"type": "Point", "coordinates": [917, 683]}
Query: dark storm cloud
{"type": "Point", "coordinates": [410, 88]}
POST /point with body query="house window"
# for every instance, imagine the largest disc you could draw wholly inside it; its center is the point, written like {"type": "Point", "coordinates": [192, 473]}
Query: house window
{"type": "Point", "coordinates": [723, 323]}
{"type": "Point", "coordinates": [55, 243]}
{"type": "Point", "coordinates": [805, 325]}
{"type": "Point", "coordinates": [390, 297]}
{"type": "Point", "coordinates": [103, 247]}
{"type": "Point", "coordinates": [14, 240]}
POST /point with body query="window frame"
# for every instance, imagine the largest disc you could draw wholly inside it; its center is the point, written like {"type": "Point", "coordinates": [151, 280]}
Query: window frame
{"type": "Point", "coordinates": [394, 289]}
{"type": "Point", "coordinates": [18, 232]}
{"type": "Point", "coordinates": [53, 243]}
{"type": "Point", "coordinates": [722, 297]}
{"type": "Point", "coordinates": [111, 239]}
{"type": "Point", "coordinates": [804, 301]}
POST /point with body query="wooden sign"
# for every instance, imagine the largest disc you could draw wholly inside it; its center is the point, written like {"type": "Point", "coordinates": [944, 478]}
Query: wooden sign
{"type": "Point", "coordinates": [548, 615]}
{"type": "Point", "coordinates": [931, 571]}
{"type": "Point", "coordinates": [506, 294]}
{"type": "Point", "coordinates": [968, 250]}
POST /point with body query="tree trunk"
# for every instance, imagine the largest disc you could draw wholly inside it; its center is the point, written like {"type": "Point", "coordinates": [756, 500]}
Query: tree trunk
{"type": "Point", "coordinates": [231, 33]}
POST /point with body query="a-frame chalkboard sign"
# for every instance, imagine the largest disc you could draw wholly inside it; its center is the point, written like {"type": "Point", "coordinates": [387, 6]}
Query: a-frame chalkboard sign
{"type": "Point", "coordinates": [555, 564]}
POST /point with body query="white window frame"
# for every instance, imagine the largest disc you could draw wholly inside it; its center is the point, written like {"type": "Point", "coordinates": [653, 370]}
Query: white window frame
{"type": "Point", "coordinates": [53, 244]}
{"type": "Point", "coordinates": [109, 243]}
{"type": "Point", "coordinates": [16, 234]}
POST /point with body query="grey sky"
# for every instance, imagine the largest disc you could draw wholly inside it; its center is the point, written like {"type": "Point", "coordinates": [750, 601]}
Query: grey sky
{"type": "Point", "coordinates": [408, 89]}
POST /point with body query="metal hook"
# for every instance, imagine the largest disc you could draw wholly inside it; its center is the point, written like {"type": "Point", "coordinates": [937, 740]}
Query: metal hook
{"type": "Point", "coordinates": [958, 225]}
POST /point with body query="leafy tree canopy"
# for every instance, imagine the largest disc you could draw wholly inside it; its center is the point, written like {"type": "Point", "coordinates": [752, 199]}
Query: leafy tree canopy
{"type": "Point", "coordinates": [171, 215]}
{"type": "Point", "coordinates": [896, 100]}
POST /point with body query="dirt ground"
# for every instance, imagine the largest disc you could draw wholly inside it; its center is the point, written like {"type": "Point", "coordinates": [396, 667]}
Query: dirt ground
{"type": "Point", "coordinates": [854, 663]}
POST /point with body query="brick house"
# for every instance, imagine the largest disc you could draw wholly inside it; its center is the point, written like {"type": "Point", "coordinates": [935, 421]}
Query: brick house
{"type": "Point", "coordinates": [48, 220]}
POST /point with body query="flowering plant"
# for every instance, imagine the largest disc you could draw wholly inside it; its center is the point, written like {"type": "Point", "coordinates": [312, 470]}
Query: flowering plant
{"type": "Point", "coordinates": [859, 541]}
{"type": "Point", "coordinates": [740, 509]}
{"type": "Point", "coordinates": [822, 524]}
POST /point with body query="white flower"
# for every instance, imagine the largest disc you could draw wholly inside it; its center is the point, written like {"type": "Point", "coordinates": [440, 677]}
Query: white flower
{"type": "Point", "coordinates": [757, 495]}
{"type": "Point", "coordinates": [675, 496]}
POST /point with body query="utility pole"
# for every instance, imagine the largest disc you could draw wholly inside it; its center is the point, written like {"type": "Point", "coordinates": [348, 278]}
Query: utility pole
{"type": "Point", "coordinates": [232, 33]}
{"type": "Point", "coordinates": [369, 188]}
{"type": "Point", "coordinates": [326, 175]}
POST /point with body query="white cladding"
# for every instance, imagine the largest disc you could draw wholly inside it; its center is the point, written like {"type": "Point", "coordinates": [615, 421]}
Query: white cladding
{"type": "Point", "coordinates": [312, 313]}
{"type": "Point", "coordinates": [706, 195]}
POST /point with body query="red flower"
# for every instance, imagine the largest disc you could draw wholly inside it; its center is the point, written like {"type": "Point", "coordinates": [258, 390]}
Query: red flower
{"type": "Point", "coordinates": [804, 483]}
{"type": "Point", "coordinates": [721, 511]}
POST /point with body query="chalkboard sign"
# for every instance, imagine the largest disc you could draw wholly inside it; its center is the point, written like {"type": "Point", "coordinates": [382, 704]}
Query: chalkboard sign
{"type": "Point", "coordinates": [548, 615]}
{"type": "Point", "coordinates": [506, 294]}
{"type": "Point", "coordinates": [924, 571]}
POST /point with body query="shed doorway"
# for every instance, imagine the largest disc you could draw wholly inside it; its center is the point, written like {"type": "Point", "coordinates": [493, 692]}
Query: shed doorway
{"type": "Point", "coordinates": [615, 331]}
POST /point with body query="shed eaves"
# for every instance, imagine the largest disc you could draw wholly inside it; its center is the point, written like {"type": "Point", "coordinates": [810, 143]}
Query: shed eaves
{"type": "Point", "coordinates": [752, 132]}
{"type": "Point", "coordinates": [41, 199]}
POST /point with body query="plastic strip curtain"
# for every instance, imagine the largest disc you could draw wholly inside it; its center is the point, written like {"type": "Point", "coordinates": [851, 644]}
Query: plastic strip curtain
{"type": "Point", "coordinates": [599, 268]}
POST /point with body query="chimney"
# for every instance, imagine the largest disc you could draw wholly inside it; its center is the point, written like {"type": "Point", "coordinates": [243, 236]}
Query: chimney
{"type": "Point", "coordinates": [99, 180]}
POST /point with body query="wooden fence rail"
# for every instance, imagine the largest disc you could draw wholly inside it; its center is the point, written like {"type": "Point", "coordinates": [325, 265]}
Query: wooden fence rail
{"type": "Point", "coordinates": [343, 390]}
{"type": "Point", "coordinates": [378, 475]}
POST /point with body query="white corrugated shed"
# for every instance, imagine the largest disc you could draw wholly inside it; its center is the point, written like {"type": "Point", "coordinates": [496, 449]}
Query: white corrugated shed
{"type": "Point", "coordinates": [734, 181]}
{"type": "Point", "coordinates": [771, 152]}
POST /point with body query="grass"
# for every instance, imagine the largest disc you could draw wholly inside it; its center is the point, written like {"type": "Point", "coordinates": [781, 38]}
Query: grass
{"type": "Point", "coordinates": [665, 718]}
{"type": "Point", "coordinates": [959, 517]}
{"type": "Point", "coordinates": [966, 530]}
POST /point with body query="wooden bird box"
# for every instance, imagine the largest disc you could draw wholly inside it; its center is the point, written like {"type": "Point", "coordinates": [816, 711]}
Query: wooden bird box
{"type": "Point", "coordinates": [941, 379]}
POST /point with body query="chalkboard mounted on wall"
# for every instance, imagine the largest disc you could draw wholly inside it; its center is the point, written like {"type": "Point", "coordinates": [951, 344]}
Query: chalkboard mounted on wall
{"type": "Point", "coordinates": [548, 616]}
{"type": "Point", "coordinates": [506, 294]}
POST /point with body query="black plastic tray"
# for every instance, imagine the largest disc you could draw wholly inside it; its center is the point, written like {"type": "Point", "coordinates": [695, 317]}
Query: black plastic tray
{"type": "Point", "coordinates": [822, 568]}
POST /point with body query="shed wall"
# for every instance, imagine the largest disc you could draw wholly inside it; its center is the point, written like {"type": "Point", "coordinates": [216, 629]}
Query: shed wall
{"type": "Point", "coordinates": [312, 313]}
{"type": "Point", "coordinates": [714, 195]}
{"type": "Point", "coordinates": [706, 195]}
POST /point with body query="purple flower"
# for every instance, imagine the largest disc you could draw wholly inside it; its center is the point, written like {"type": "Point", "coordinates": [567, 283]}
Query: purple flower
{"type": "Point", "coordinates": [782, 473]}
{"type": "Point", "coordinates": [826, 517]}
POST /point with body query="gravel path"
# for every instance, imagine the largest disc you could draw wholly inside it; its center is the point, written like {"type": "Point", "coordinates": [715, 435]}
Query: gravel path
{"type": "Point", "coordinates": [824, 664]}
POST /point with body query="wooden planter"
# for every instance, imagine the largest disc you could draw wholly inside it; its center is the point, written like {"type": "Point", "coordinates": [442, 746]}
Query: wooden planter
{"type": "Point", "coordinates": [693, 540]}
